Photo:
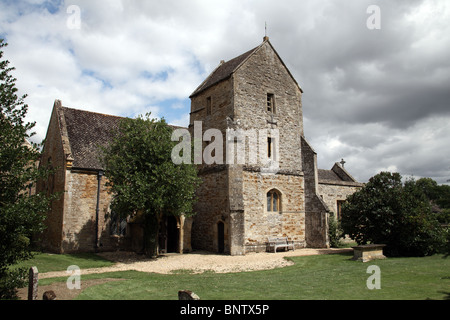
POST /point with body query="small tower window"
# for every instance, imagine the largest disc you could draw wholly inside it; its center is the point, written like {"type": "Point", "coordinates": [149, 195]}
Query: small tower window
{"type": "Point", "coordinates": [208, 106]}
{"type": "Point", "coordinates": [269, 147]}
{"type": "Point", "coordinates": [271, 103]}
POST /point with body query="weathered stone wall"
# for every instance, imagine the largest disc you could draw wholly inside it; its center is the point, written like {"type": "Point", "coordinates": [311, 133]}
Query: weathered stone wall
{"type": "Point", "coordinates": [262, 74]}
{"type": "Point", "coordinates": [261, 224]}
{"type": "Point", "coordinates": [213, 204]}
{"type": "Point", "coordinates": [316, 216]}
{"type": "Point", "coordinates": [80, 213]}
{"type": "Point", "coordinates": [212, 208]}
{"type": "Point", "coordinates": [53, 153]}
{"type": "Point", "coordinates": [332, 193]}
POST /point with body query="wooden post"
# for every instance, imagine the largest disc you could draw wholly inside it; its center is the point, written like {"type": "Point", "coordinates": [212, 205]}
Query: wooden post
{"type": "Point", "coordinates": [33, 283]}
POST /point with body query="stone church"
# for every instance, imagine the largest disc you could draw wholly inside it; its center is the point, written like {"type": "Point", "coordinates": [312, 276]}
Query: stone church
{"type": "Point", "coordinates": [239, 205]}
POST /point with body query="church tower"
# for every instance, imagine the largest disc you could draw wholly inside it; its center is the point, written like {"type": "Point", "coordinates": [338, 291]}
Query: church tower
{"type": "Point", "coordinates": [258, 171]}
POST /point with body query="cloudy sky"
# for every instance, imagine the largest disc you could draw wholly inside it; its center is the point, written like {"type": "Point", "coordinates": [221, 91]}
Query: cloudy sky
{"type": "Point", "coordinates": [376, 82]}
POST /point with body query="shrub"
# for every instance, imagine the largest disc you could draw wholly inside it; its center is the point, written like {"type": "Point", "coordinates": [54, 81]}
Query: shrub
{"type": "Point", "coordinates": [389, 212]}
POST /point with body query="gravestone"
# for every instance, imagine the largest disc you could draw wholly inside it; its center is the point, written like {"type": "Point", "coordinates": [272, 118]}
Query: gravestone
{"type": "Point", "coordinates": [33, 283]}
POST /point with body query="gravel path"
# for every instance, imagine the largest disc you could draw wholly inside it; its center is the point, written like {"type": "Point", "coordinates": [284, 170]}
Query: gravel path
{"type": "Point", "coordinates": [197, 262]}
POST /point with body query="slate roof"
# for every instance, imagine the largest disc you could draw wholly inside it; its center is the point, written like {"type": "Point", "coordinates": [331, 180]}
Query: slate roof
{"type": "Point", "coordinates": [328, 175]}
{"type": "Point", "coordinates": [226, 69]}
{"type": "Point", "coordinates": [223, 71]}
{"type": "Point", "coordinates": [86, 131]}
{"type": "Point", "coordinates": [337, 176]}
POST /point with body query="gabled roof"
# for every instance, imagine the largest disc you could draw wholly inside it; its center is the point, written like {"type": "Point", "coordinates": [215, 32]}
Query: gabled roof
{"type": "Point", "coordinates": [84, 132]}
{"type": "Point", "coordinates": [226, 69]}
{"type": "Point", "coordinates": [223, 72]}
{"type": "Point", "coordinates": [337, 176]}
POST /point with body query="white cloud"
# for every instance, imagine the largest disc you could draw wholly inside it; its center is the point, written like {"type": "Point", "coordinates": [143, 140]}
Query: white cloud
{"type": "Point", "coordinates": [379, 99]}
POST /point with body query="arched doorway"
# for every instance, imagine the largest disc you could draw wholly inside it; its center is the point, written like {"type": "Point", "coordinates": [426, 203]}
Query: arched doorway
{"type": "Point", "coordinates": [221, 237]}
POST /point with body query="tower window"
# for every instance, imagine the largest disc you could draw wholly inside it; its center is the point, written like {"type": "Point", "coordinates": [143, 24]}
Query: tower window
{"type": "Point", "coordinates": [269, 147]}
{"type": "Point", "coordinates": [273, 201]}
{"type": "Point", "coordinates": [208, 106]}
{"type": "Point", "coordinates": [271, 103]}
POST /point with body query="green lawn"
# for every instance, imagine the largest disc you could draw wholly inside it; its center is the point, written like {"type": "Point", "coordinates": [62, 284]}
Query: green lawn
{"type": "Point", "coordinates": [60, 262]}
{"type": "Point", "coordinates": [321, 277]}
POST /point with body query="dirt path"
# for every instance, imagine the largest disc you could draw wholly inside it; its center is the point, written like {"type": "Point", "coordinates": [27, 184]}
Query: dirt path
{"type": "Point", "coordinates": [197, 262]}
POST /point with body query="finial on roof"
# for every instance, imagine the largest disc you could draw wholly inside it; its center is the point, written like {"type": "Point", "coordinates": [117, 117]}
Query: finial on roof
{"type": "Point", "coordinates": [266, 38]}
{"type": "Point", "coordinates": [343, 163]}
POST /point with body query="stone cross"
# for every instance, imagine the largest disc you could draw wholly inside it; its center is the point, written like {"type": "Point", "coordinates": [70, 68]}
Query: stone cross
{"type": "Point", "coordinates": [33, 283]}
{"type": "Point", "coordinates": [343, 162]}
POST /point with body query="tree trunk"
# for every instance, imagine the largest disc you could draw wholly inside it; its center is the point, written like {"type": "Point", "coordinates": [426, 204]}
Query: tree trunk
{"type": "Point", "coordinates": [151, 229]}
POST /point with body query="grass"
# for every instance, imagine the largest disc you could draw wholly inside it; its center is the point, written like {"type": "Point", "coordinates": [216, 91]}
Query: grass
{"type": "Point", "coordinates": [324, 277]}
{"type": "Point", "coordinates": [46, 262]}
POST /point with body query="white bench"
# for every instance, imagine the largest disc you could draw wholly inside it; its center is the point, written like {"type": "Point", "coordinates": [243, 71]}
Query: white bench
{"type": "Point", "coordinates": [276, 243]}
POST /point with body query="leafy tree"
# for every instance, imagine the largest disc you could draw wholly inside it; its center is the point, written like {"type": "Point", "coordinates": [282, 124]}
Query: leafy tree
{"type": "Point", "coordinates": [145, 182]}
{"type": "Point", "coordinates": [399, 215]}
{"type": "Point", "coordinates": [21, 214]}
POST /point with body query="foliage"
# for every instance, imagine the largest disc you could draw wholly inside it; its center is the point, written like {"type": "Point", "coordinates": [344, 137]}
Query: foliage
{"type": "Point", "coordinates": [399, 215]}
{"type": "Point", "coordinates": [143, 178]}
{"type": "Point", "coordinates": [334, 231]}
{"type": "Point", "coordinates": [21, 214]}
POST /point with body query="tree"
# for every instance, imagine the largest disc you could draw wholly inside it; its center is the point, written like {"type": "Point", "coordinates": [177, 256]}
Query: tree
{"type": "Point", "coordinates": [399, 215]}
{"type": "Point", "coordinates": [21, 214]}
{"type": "Point", "coordinates": [143, 179]}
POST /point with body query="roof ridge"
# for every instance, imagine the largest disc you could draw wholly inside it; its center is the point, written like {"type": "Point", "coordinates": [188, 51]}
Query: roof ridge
{"type": "Point", "coordinates": [93, 112]}
{"type": "Point", "coordinates": [228, 67]}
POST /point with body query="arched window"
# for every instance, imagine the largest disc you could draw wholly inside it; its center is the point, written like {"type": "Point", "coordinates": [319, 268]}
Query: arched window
{"type": "Point", "coordinates": [273, 201]}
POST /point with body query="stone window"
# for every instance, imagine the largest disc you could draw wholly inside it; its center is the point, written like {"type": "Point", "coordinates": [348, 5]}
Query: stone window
{"type": "Point", "coordinates": [271, 148]}
{"type": "Point", "coordinates": [208, 106]}
{"type": "Point", "coordinates": [273, 201]}
{"type": "Point", "coordinates": [271, 103]}
{"type": "Point", "coordinates": [118, 225]}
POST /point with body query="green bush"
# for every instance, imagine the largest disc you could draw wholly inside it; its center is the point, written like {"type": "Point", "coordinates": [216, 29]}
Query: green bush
{"type": "Point", "coordinates": [386, 211]}
{"type": "Point", "coordinates": [334, 231]}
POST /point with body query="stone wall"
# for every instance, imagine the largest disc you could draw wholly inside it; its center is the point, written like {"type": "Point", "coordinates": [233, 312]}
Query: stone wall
{"type": "Point", "coordinates": [332, 193]}
{"type": "Point", "coordinates": [316, 211]}
{"type": "Point", "coordinates": [264, 73]}
{"type": "Point", "coordinates": [212, 208]}
{"type": "Point", "coordinates": [80, 213]}
{"type": "Point", "coordinates": [54, 154]}
{"type": "Point", "coordinates": [261, 224]}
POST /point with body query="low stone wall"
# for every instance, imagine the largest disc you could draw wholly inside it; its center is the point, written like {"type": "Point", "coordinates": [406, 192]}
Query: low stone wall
{"type": "Point", "coordinates": [368, 252]}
